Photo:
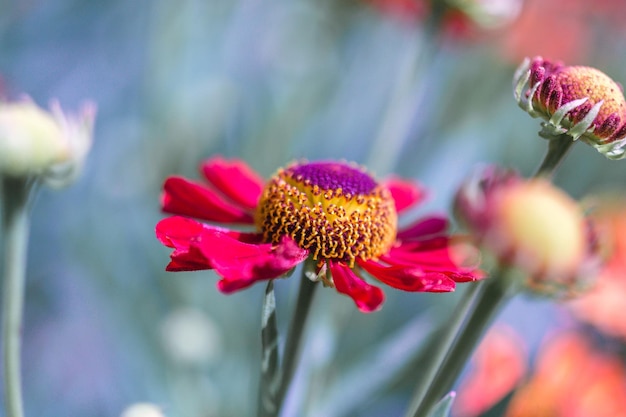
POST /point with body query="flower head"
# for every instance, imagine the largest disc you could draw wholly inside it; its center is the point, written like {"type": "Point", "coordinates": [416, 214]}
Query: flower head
{"type": "Point", "coordinates": [335, 211]}
{"type": "Point", "coordinates": [52, 145]}
{"type": "Point", "coordinates": [532, 226]}
{"type": "Point", "coordinates": [332, 213]}
{"type": "Point", "coordinates": [581, 102]}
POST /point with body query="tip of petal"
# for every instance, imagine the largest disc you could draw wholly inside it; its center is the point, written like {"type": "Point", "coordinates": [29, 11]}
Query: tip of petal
{"type": "Point", "coordinates": [235, 179]}
{"type": "Point", "coordinates": [367, 298]}
{"type": "Point", "coordinates": [405, 193]}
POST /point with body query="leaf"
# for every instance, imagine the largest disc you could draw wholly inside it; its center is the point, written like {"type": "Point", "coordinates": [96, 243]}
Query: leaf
{"type": "Point", "coordinates": [443, 407]}
{"type": "Point", "coordinates": [270, 377]}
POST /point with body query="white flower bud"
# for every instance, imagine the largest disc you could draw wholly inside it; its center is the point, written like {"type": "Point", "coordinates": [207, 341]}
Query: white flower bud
{"type": "Point", "coordinates": [51, 145]}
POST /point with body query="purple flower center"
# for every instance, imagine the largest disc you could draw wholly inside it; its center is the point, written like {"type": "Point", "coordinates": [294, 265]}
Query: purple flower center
{"type": "Point", "coordinates": [332, 176]}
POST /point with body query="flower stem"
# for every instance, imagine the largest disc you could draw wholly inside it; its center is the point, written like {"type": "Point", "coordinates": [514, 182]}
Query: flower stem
{"type": "Point", "coordinates": [15, 197]}
{"type": "Point", "coordinates": [294, 337]}
{"type": "Point", "coordinates": [493, 295]}
{"type": "Point", "coordinates": [444, 343]}
{"type": "Point", "coordinates": [557, 149]}
{"type": "Point", "coordinates": [269, 363]}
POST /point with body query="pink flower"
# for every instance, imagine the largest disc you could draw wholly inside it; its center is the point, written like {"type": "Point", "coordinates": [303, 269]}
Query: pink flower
{"type": "Point", "coordinates": [331, 213]}
{"type": "Point", "coordinates": [532, 227]}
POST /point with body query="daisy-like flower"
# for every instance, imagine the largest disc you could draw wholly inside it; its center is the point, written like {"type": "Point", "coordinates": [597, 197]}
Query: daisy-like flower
{"type": "Point", "coordinates": [581, 102]}
{"type": "Point", "coordinates": [533, 227]}
{"type": "Point", "coordinates": [332, 213]}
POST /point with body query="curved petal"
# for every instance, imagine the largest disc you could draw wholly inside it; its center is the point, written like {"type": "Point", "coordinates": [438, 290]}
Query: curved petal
{"type": "Point", "coordinates": [179, 233]}
{"type": "Point", "coordinates": [367, 298]}
{"type": "Point", "coordinates": [241, 264]}
{"type": "Point", "coordinates": [450, 256]}
{"type": "Point", "coordinates": [184, 234]}
{"type": "Point", "coordinates": [429, 226]}
{"type": "Point", "coordinates": [408, 279]}
{"type": "Point", "coordinates": [235, 179]}
{"type": "Point", "coordinates": [405, 193]}
{"type": "Point", "coordinates": [421, 253]}
{"type": "Point", "coordinates": [189, 259]}
{"type": "Point", "coordinates": [187, 198]}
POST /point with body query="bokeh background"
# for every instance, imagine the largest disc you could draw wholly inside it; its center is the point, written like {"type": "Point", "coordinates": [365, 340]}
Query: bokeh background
{"type": "Point", "coordinates": [407, 87]}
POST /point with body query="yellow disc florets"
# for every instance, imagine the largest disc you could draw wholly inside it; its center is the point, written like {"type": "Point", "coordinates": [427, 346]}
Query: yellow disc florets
{"type": "Point", "coordinates": [334, 210]}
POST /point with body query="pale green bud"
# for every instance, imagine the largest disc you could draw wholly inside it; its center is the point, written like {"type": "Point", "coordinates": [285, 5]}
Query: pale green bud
{"type": "Point", "coordinates": [48, 144]}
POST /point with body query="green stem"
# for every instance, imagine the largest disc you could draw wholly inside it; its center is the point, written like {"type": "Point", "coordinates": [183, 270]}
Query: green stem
{"type": "Point", "coordinates": [270, 377]}
{"type": "Point", "coordinates": [493, 296]}
{"type": "Point", "coordinates": [557, 149]}
{"type": "Point", "coordinates": [444, 342]}
{"type": "Point", "coordinates": [15, 197]}
{"type": "Point", "coordinates": [294, 337]}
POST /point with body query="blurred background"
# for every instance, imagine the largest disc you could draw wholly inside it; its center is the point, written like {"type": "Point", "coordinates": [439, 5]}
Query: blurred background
{"type": "Point", "coordinates": [413, 87]}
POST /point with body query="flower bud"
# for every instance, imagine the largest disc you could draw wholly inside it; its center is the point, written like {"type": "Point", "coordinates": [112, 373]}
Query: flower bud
{"type": "Point", "coordinates": [581, 102]}
{"type": "Point", "coordinates": [51, 145]}
{"type": "Point", "coordinates": [532, 226]}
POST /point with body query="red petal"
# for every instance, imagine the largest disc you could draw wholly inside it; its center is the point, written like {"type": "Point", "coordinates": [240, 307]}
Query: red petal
{"type": "Point", "coordinates": [188, 260]}
{"type": "Point", "coordinates": [405, 193]}
{"type": "Point", "coordinates": [188, 198]}
{"type": "Point", "coordinates": [241, 264]}
{"type": "Point", "coordinates": [408, 279]}
{"type": "Point", "coordinates": [183, 234]}
{"type": "Point", "coordinates": [422, 253]}
{"type": "Point", "coordinates": [366, 297]}
{"type": "Point", "coordinates": [235, 179]}
{"type": "Point", "coordinates": [177, 232]}
{"type": "Point", "coordinates": [424, 227]}
{"type": "Point", "coordinates": [433, 256]}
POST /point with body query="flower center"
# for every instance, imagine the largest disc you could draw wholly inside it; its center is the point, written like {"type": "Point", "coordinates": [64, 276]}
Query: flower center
{"type": "Point", "coordinates": [578, 82]}
{"type": "Point", "coordinates": [335, 210]}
